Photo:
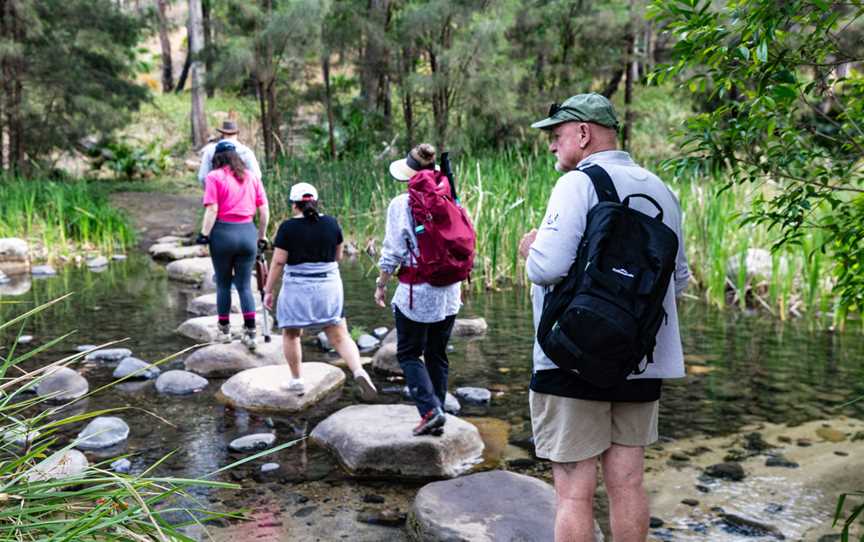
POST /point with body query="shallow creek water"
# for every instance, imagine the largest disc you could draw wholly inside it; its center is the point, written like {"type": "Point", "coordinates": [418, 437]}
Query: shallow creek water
{"type": "Point", "coordinates": [741, 370]}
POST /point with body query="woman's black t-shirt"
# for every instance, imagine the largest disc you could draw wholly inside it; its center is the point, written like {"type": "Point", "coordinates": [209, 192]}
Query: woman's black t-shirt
{"type": "Point", "coordinates": [307, 241]}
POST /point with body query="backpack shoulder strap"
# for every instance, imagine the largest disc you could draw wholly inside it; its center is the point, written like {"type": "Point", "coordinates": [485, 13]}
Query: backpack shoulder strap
{"type": "Point", "coordinates": [603, 184]}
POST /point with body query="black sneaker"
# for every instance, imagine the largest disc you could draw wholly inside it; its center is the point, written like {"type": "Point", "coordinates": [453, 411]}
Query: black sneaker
{"type": "Point", "coordinates": [433, 420]}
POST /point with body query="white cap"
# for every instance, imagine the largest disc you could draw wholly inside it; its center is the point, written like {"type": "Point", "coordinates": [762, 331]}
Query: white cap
{"type": "Point", "coordinates": [299, 190]}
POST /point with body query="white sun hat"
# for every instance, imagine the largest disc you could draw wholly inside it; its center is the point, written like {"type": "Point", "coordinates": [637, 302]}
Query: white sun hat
{"type": "Point", "coordinates": [301, 191]}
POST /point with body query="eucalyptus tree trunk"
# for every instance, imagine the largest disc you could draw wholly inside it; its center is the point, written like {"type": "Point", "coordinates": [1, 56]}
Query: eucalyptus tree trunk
{"type": "Point", "coordinates": [165, 43]}
{"type": "Point", "coordinates": [197, 74]}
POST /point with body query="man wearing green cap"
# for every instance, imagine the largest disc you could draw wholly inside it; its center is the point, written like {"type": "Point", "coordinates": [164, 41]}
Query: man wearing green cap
{"type": "Point", "coordinates": [577, 425]}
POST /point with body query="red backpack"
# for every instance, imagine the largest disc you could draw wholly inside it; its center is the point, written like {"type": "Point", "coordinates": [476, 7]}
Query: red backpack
{"type": "Point", "coordinates": [445, 235]}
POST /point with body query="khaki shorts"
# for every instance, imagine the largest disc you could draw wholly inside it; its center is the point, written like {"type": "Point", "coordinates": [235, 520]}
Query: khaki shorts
{"type": "Point", "coordinates": [568, 430]}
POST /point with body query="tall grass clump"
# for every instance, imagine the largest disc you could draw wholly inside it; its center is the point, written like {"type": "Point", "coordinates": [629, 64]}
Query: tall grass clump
{"type": "Point", "coordinates": [96, 504]}
{"type": "Point", "coordinates": [61, 216]}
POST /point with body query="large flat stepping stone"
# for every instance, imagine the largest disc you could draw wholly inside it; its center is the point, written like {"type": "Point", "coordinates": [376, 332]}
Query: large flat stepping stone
{"type": "Point", "coordinates": [494, 505]}
{"type": "Point", "coordinates": [206, 328]}
{"type": "Point", "coordinates": [205, 305]}
{"type": "Point", "coordinates": [224, 360]}
{"type": "Point", "coordinates": [61, 465]}
{"type": "Point", "coordinates": [14, 256]}
{"type": "Point", "coordinates": [469, 327]}
{"type": "Point", "coordinates": [261, 389]}
{"type": "Point", "coordinates": [180, 383]}
{"type": "Point", "coordinates": [376, 441]}
{"type": "Point", "coordinates": [62, 384]}
{"type": "Point", "coordinates": [108, 355]}
{"type": "Point", "coordinates": [102, 432]}
{"type": "Point", "coordinates": [190, 270]}
{"type": "Point", "coordinates": [176, 252]}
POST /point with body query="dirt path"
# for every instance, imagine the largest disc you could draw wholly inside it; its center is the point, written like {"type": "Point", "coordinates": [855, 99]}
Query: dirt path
{"type": "Point", "coordinates": [155, 214]}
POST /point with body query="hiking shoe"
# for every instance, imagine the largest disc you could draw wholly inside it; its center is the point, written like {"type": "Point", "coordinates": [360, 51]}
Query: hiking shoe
{"type": "Point", "coordinates": [248, 339]}
{"type": "Point", "coordinates": [367, 388]}
{"type": "Point", "coordinates": [295, 385]}
{"type": "Point", "coordinates": [223, 335]}
{"type": "Point", "coordinates": [434, 419]}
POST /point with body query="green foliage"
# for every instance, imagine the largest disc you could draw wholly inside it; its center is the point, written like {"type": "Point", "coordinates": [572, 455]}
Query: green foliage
{"type": "Point", "coordinates": [783, 115]}
{"type": "Point", "coordinates": [61, 215]}
{"type": "Point", "coordinates": [128, 160]}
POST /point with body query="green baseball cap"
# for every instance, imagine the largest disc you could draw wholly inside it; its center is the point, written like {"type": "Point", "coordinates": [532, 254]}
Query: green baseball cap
{"type": "Point", "coordinates": [590, 107]}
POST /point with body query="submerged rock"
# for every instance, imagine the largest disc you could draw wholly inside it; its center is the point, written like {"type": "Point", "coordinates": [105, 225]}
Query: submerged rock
{"type": "Point", "coordinates": [726, 471]}
{"type": "Point", "coordinates": [62, 384]}
{"type": "Point", "coordinates": [134, 366]}
{"type": "Point", "coordinates": [780, 460]}
{"type": "Point", "coordinates": [831, 435]}
{"type": "Point", "coordinates": [750, 527]}
{"type": "Point", "coordinates": [180, 383]}
{"type": "Point", "coordinates": [494, 505]}
{"type": "Point", "coordinates": [61, 465]}
{"type": "Point", "coordinates": [251, 443]}
{"type": "Point", "coordinates": [108, 355]}
{"type": "Point", "coordinates": [260, 389]}
{"type": "Point", "coordinates": [190, 270]}
{"type": "Point", "coordinates": [102, 432]}
{"type": "Point", "coordinates": [122, 466]}
{"type": "Point", "coordinates": [225, 360]}
{"type": "Point", "coordinates": [376, 441]}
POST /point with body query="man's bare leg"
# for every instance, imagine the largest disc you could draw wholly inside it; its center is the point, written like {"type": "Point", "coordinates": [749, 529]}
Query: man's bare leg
{"type": "Point", "coordinates": [574, 489]}
{"type": "Point", "coordinates": [623, 468]}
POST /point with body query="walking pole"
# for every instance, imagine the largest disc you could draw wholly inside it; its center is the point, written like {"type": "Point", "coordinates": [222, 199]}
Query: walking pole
{"type": "Point", "coordinates": [261, 269]}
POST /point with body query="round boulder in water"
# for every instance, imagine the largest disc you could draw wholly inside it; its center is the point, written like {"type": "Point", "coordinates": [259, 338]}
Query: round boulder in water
{"type": "Point", "coordinates": [61, 465]}
{"type": "Point", "coordinates": [261, 389]}
{"type": "Point", "coordinates": [122, 466]}
{"type": "Point", "coordinates": [251, 443]}
{"type": "Point", "coordinates": [225, 360]}
{"type": "Point", "coordinates": [469, 327]}
{"type": "Point", "coordinates": [136, 368]}
{"type": "Point", "coordinates": [377, 441]}
{"type": "Point", "coordinates": [108, 355]}
{"type": "Point", "coordinates": [474, 396]}
{"type": "Point", "coordinates": [180, 383]}
{"type": "Point", "coordinates": [380, 332]}
{"type": "Point", "coordinates": [494, 505]}
{"type": "Point", "coordinates": [102, 432]}
{"type": "Point", "coordinates": [62, 384]}
{"type": "Point", "coordinates": [367, 343]}
{"type": "Point", "coordinates": [98, 261]}
{"type": "Point", "coordinates": [385, 360]}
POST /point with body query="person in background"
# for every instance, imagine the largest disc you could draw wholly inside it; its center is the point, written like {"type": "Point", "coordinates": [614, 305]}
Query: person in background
{"type": "Point", "coordinates": [424, 314]}
{"type": "Point", "coordinates": [307, 249]}
{"type": "Point", "coordinates": [232, 195]}
{"type": "Point", "coordinates": [228, 132]}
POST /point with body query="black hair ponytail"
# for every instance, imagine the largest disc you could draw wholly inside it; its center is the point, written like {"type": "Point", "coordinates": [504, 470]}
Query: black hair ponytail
{"type": "Point", "coordinates": [309, 208]}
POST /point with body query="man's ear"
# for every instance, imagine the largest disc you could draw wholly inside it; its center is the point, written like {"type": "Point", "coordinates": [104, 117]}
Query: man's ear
{"type": "Point", "coordinates": [584, 134]}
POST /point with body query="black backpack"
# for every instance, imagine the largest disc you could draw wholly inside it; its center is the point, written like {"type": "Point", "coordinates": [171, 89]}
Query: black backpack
{"type": "Point", "coordinates": [603, 318]}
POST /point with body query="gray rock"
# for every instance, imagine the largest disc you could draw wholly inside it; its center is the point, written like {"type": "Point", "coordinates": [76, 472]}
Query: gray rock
{"type": "Point", "coordinates": [251, 443]}
{"type": "Point", "coordinates": [205, 305]}
{"type": "Point", "coordinates": [469, 327]}
{"type": "Point", "coordinates": [758, 265]}
{"type": "Point", "coordinates": [269, 467]}
{"type": "Point", "coordinates": [18, 433]}
{"type": "Point", "coordinates": [4, 279]}
{"type": "Point", "coordinates": [487, 506]}
{"type": "Point", "coordinates": [108, 355]}
{"type": "Point", "coordinates": [751, 527]}
{"type": "Point", "coordinates": [172, 253]}
{"type": "Point", "coordinates": [62, 384]}
{"type": "Point", "coordinates": [380, 332]}
{"type": "Point", "coordinates": [25, 339]}
{"type": "Point", "coordinates": [118, 257]}
{"type": "Point", "coordinates": [225, 360]}
{"type": "Point", "coordinates": [141, 369]}
{"type": "Point", "coordinates": [121, 466]}
{"type": "Point", "coordinates": [172, 239]}
{"type": "Point", "coordinates": [324, 342]}
{"type": "Point", "coordinates": [474, 396]}
{"type": "Point", "coordinates": [451, 404]}
{"type": "Point", "coordinates": [385, 360]}
{"type": "Point", "coordinates": [85, 347]}
{"type": "Point", "coordinates": [14, 256]}
{"type": "Point", "coordinates": [98, 261]}
{"type": "Point", "coordinates": [390, 337]}
{"type": "Point", "coordinates": [205, 328]}
{"type": "Point", "coordinates": [779, 460]}
{"type": "Point", "coordinates": [367, 343]}
{"type": "Point", "coordinates": [726, 471]}
{"type": "Point", "coordinates": [190, 270]}
{"type": "Point", "coordinates": [376, 441]}
{"type": "Point", "coordinates": [180, 383]}
{"type": "Point", "coordinates": [61, 465]}
{"type": "Point", "coordinates": [102, 432]}
{"type": "Point", "coordinates": [43, 271]}
{"type": "Point", "coordinates": [260, 389]}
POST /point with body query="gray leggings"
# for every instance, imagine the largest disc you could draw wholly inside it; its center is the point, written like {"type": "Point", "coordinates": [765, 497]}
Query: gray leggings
{"type": "Point", "coordinates": [232, 248]}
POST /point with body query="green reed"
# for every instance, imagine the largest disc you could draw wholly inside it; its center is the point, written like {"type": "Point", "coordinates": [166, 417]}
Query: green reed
{"type": "Point", "coordinates": [506, 195]}
{"type": "Point", "coordinates": [61, 216]}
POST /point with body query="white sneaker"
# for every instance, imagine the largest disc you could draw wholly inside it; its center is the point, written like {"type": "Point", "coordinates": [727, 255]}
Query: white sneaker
{"type": "Point", "coordinates": [248, 340]}
{"type": "Point", "coordinates": [295, 385]}
{"type": "Point", "coordinates": [367, 388]}
{"type": "Point", "coordinates": [223, 334]}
